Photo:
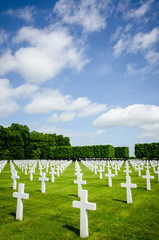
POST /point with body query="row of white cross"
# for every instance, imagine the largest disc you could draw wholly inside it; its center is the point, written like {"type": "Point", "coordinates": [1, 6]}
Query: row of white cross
{"type": "Point", "coordinates": [20, 195]}
{"type": "Point", "coordinates": [2, 164]}
{"type": "Point", "coordinates": [60, 166]}
{"type": "Point", "coordinates": [83, 204]}
{"type": "Point", "coordinates": [128, 185]}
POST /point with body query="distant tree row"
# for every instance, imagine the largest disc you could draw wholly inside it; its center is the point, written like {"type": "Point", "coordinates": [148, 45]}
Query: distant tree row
{"type": "Point", "coordinates": [17, 142]}
{"type": "Point", "coordinates": [147, 150]}
{"type": "Point", "coordinates": [96, 151]}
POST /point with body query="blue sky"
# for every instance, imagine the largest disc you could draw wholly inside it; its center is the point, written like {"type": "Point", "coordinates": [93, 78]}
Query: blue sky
{"type": "Point", "coordinates": [86, 69]}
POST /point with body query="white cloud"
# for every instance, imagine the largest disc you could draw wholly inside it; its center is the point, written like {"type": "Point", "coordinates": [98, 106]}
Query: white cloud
{"type": "Point", "coordinates": [150, 131]}
{"type": "Point", "coordinates": [47, 52]}
{"type": "Point", "coordinates": [9, 96]}
{"type": "Point", "coordinates": [133, 115]}
{"type": "Point", "coordinates": [90, 14]}
{"type": "Point", "coordinates": [91, 109]}
{"type": "Point", "coordinates": [143, 41]}
{"type": "Point", "coordinates": [63, 117]}
{"type": "Point", "coordinates": [76, 137]}
{"type": "Point", "coordinates": [120, 47]}
{"type": "Point", "coordinates": [7, 102]}
{"type": "Point", "coordinates": [7, 63]}
{"type": "Point", "coordinates": [141, 11]}
{"type": "Point", "coordinates": [25, 14]}
{"type": "Point", "coordinates": [152, 59]}
{"type": "Point", "coordinates": [3, 36]}
{"type": "Point", "coordinates": [52, 100]}
{"type": "Point", "coordinates": [139, 43]}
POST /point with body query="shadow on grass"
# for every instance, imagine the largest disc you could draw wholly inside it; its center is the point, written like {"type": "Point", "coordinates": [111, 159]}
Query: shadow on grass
{"type": "Point", "coordinates": [73, 195]}
{"type": "Point", "coordinates": [12, 214]}
{"type": "Point", "coordinates": [73, 229]}
{"type": "Point", "coordinates": [142, 188]}
{"type": "Point", "coordinates": [118, 200]}
{"type": "Point", "coordinates": [38, 191]}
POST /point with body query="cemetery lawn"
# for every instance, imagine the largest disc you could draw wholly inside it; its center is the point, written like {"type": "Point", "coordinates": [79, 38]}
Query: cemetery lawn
{"type": "Point", "coordinates": [50, 215]}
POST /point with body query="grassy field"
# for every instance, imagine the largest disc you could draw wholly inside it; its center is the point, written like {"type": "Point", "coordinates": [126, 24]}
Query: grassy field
{"type": "Point", "coordinates": [51, 216]}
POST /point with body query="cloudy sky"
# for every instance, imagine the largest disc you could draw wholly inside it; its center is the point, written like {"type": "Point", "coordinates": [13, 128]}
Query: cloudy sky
{"type": "Point", "coordinates": [87, 69]}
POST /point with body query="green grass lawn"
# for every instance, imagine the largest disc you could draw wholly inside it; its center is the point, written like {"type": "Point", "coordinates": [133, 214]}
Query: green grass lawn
{"type": "Point", "coordinates": [51, 216]}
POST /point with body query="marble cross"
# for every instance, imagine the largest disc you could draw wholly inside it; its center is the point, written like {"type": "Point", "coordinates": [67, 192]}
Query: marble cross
{"type": "Point", "coordinates": [26, 167]}
{"type": "Point", "coordinates": [101, 171]}
{"type": "Point", "coordinates": [58, 170]}
{"type": "Point", "coordinates": [84, 206]}
{"type": "Point", "coordinates": [20, 195]}
{"type": "Point", "coordinates": [157, 172]}
{"type": "Point", "coordinates": [52, 174]}
{"type": "Point", "coordinates": [116, 169]}
{"type": "Point", "coordinates": [43, 179]}
{"type": "Point", "coordinates": [79, 181]}
{"type": "Point", "coordinates": [127, 171]}
{"type": "Point", "coordinates": [40, 168]}
{"type": "Point", "coordinates": [139, 168]}
{"type": "Point", "coordinates": [14, 177]}
{"type": "Point", "coordinates": [128, 185]}
{"type": "Point", "coordinates": [95, 168]}
{"type": "Point", "coordinates": [148, 177]}
{"type": "Point", "coordinates": [109, 175]}
{"type": "Point", "coordinates": [31, 174]}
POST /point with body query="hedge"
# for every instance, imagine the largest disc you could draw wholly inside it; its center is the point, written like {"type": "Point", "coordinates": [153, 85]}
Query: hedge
{"type": "Point", "coordinates": [95, 151]}
{"type": "Point", "coordinates": [147, 150]}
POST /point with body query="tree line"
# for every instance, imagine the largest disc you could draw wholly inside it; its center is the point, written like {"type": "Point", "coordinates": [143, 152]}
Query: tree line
{"type": "Point", "coordinates": [147, 150]}
{"type": "Point", "coordinates": [17, 142]}
{"type": "Point", "coordinates": [95, 151]}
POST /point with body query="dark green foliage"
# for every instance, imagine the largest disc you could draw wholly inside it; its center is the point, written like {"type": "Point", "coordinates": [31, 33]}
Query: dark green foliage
{"type": "Point", "coordinates": [147, 150]}
{"type": "Point", "coordinates": [17, 142]}
{"type": "Point", "coordinates": [121, 152]}
{"type": "Point", "coordinates": [96, 151]}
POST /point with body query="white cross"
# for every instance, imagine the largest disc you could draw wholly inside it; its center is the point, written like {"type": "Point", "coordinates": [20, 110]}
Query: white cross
{"type": "Point", "coordinates": [31, 174]}
{"type": "Point", "coordinates": [79, 181]}
{"type": "Point", "coordinates": [14, 177]}
{"type": "Point", "coordinates": [20, 195]}
{"type": "Point", "coordinates": [116, 168]}
{"type": "Point", "coordinates": [157, 171]}
{"type": "Point", "coordinates": [127, 171]}
{"type": "Point", "coordinates": [148, 177]}
{"type": "Point", "coordinates": [52, 174]}
{"type": "Point", "coordinates": [26, 167]}
{"type": "Point", "coordinates": [40, 168]}
{"type": "Point", "coordinates": [109, 175]}
{"type": "Point", "coordinates": [147, 165]}
{"type": "Point", "coordinates": [84, 205]}
{"type": "Point", "coordinates": [58, 170]}
{"type": "Point", "coordinates": [95, 168]}
{"type": "Point", "coordinates": [47, 167]}
{"type": "Point", "coordinates": [128, 186]}
{"type": "Point", "coordinates": [139, 168]}
{"type": "Point", "coordinates": [43, 179]}
{"type": "Point", "coordinates": [100, 171]}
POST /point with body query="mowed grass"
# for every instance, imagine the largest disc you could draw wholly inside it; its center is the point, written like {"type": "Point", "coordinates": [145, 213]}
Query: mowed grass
{"type": "Point", "coordinates": [51, 216]}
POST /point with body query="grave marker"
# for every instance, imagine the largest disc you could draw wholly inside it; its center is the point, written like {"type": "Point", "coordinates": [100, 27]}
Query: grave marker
{"type": "Point", "coordinates": [52, 175]}
{"type": "Point", "coordinates": [109, 175]}
{"type": "Point", "coordinates": [84, 206]}
{"type": "Point", "coordinates": [20, 195]}
{"type": "Point", "coordinates": [148, 177]}
{"type": "Point", "coordinates": [43, 179]}
{"type": "Point", "coordinates": [14, 177]}
{"type": "Point", "coordinates": [128, 186]}
{"type": "Point", "coordinates": [79, 181]}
